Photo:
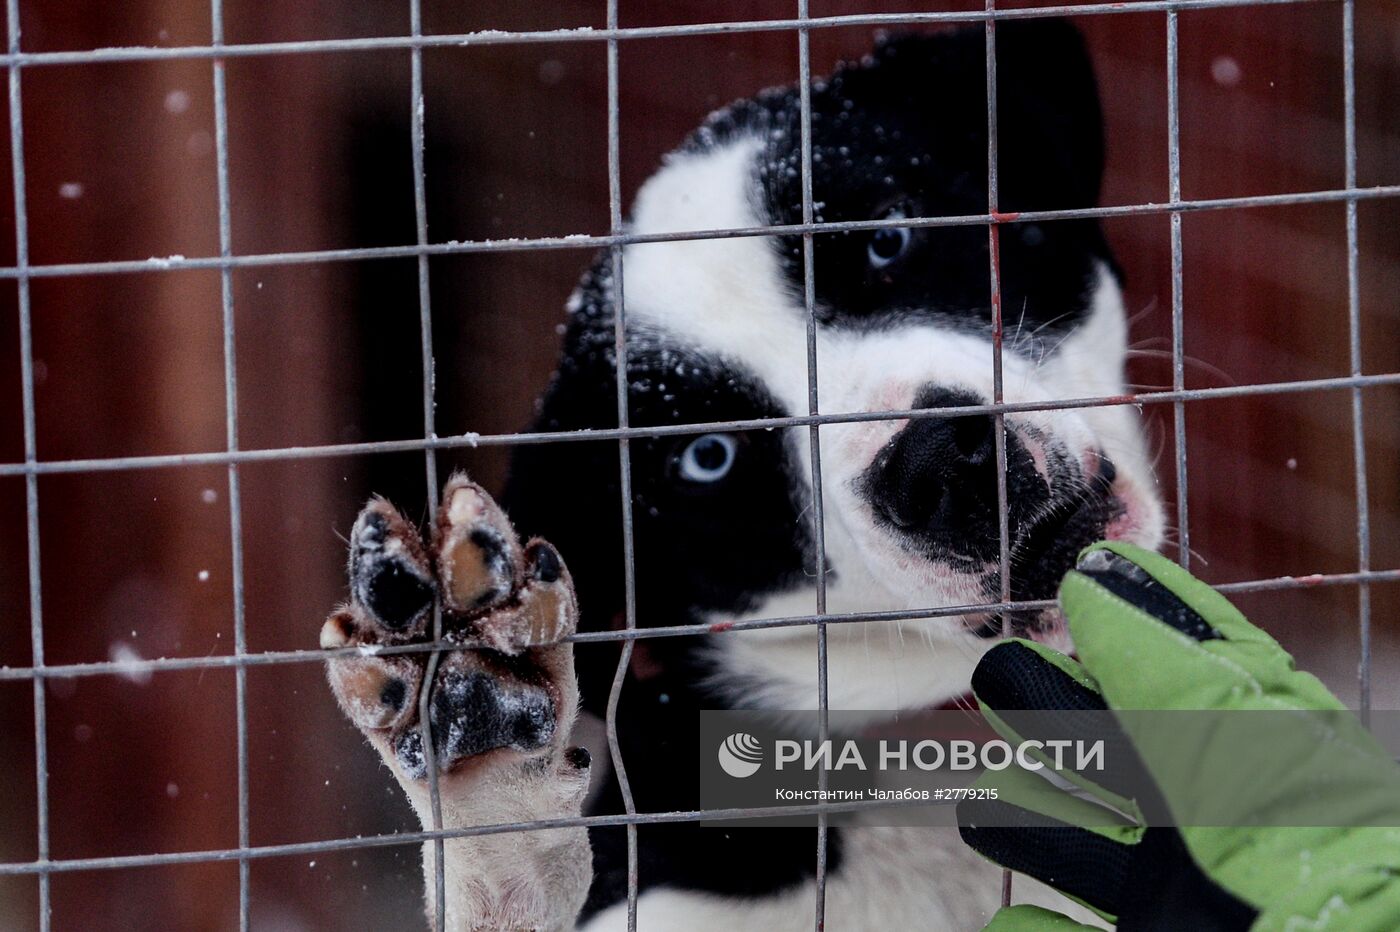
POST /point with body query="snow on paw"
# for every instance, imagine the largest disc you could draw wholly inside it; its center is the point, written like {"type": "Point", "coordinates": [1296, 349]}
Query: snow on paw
{"type": "Point", "coordinates": [540, 613]}
{"type": "Point", "coordinates": [377, 693]}
{"type": "Point", "coordinates": [509, 692]}
{"type": "Point", "coordinates": [389, 572]}
{"type": "Point", "coordinates": [479, 557]}
{"type": "Point", "coordinates": [481, 702]}
{"type": "Point", "coordinates": [500, 707]}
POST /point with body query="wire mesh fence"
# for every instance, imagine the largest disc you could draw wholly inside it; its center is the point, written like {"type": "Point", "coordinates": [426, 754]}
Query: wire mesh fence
{"type": "Point", "coordinates": [1178, 398]}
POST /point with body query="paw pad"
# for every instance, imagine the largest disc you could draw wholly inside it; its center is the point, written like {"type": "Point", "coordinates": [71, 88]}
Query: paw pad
{"type": "Point", "coordinates": [507, 605]}
{"type": "Point", "coordinates": [389, 572]}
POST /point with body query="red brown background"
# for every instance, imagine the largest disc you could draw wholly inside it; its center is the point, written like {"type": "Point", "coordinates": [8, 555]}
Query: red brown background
{"type": "Point", "coordinates": [132, 364]}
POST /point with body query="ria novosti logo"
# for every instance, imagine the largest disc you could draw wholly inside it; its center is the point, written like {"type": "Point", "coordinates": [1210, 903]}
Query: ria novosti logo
{"type": "Point", "coordinates": [740, 755]}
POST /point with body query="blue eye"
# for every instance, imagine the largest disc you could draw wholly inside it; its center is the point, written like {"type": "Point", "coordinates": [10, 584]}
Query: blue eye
{"type": "Point", "coordinates": [889, 243]}
{"type": "Point", "coordinates": [708, 458]}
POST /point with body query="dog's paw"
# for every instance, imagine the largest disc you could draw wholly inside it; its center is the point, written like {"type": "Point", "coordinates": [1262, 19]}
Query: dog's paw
{"type": "Point", "coordinates": [501, 702]}
{"type": "Point", "coordinates": [507, 698]}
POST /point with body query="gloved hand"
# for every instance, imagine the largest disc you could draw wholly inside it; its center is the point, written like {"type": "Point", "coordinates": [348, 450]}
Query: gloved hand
{"type": "Point", "coordinates": [1213, 829]}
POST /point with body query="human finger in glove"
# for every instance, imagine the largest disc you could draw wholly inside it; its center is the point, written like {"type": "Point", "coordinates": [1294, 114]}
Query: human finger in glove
{"type": "Point", "coordinates": [1284, 818]}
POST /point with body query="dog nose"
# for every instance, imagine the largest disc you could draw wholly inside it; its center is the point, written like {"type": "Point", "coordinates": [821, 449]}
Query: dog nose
{"type": "Point", "coordinates": [937, 478]}
{"type": "Point", "coordinates": [940, 471]}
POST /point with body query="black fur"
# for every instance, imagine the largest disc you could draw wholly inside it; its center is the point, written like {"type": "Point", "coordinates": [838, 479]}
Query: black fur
{"type": "Point", "coordinates": [908, 128]}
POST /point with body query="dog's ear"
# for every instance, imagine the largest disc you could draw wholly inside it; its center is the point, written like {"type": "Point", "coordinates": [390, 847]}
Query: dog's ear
{"type": "Point", "coordinates": [1049, 123]}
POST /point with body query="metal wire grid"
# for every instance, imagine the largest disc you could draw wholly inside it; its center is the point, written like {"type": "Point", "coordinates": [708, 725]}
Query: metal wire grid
{"type": "Point", "coordinates": [218, 51]}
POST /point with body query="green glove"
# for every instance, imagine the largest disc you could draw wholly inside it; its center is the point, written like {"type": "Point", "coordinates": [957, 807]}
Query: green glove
{"type": "Point", "coordinates": [1275, 811]}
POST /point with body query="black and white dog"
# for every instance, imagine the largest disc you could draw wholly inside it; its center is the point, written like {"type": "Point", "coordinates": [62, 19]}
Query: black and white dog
{"type": "Point", "coordinates": [717, 332]}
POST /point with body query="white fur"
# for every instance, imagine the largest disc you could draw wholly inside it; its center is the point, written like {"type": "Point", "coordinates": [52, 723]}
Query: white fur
{"type": "Point", "coordinates": [519, 880]}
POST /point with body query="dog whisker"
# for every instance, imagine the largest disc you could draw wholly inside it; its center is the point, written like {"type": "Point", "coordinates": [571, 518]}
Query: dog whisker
{"type": "Point", "coordinates": [1147, 310]}
{"type": "Point", "coordinates": [1192, 361]}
